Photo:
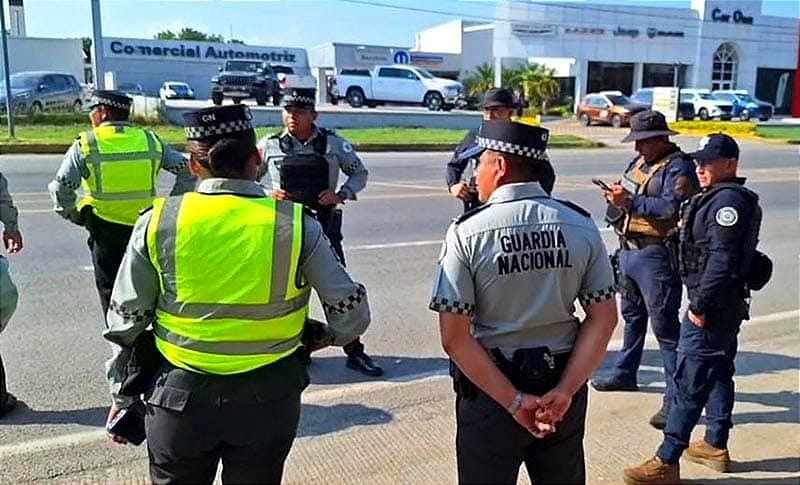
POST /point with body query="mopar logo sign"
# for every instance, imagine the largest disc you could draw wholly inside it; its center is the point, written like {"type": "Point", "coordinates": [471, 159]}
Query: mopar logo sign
{"type": "Point", "coordinates": [401, 57]}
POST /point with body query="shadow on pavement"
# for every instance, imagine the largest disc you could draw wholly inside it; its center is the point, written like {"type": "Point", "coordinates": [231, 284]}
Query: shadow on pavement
{"type": "Point", "coordinates": [775, 465]}
{"type": "Point", "coordinates": [316, 420]}
{"type": "Point", "coordinates": [23, 415]}
{"type": "Point", "coordinates": [332, 369]}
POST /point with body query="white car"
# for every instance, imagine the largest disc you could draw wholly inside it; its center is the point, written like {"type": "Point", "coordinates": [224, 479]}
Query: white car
{"type": "Point", "coordinates": [175, 90]}
{"type": "Point", "coordinates": [402, 84]}
{"type": "Point", "coordinates": [706, 105]}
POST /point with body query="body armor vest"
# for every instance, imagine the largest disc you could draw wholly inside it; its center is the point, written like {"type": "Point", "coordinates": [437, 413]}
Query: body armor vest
{"type": "Point", "coordinates": [693, 255]}
{"type": "Point", "coordinates": [305, 175]}
{"type": "Point", "coordinates": [635, 181]}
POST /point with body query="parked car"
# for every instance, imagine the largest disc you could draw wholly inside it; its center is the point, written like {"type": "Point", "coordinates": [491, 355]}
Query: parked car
{"type": "Point", "coordinates": [287, 78]}
{"type": "Point", "coordinates": [645, 96]}
{"type": "Point", "coordinates": [246, 79]}
{"type": "Point", "coordinates": [744, 105]}
{"type": "Point", "coordinates": [608, 107]}
{"type": "Point", "coordinates": [400, 84]}
{"type": "Point", "coordinates": [131, 89]}
{"type": "Point", "coordinates": [175, 90]}
{"type": "Point", "coordinates": [706, 106]}
{"type": "Point", "coordinates": [37, 91]}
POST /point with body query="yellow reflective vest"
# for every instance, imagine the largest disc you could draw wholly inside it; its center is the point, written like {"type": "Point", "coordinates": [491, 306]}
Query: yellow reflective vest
{"type": "Point", "coordinates": [123, 163]}
{"type": "Point", "coordinates": [231, 299]}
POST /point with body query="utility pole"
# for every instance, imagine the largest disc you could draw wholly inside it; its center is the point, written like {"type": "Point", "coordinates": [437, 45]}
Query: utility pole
{"type": "Point", "coordinates": [97, 47]}
{"type": "Point", "coordinates": [6, 74]}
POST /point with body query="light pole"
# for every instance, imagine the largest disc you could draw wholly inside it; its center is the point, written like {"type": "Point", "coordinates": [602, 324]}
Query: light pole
{"type": "Point", "coordinates": [97, 46]}
{"type": "Point", "coordinates": [6, 74]}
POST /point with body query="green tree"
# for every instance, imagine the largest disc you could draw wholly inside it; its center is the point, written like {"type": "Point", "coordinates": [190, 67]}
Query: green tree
{"type": "Point", "coordinates": [539, 85]}
{"type": "Point", "coordinates": [478, 82]}
{"type": "Point", "coordinates": [188, 33]}
{"type": "Point", "coordinates": [512, 77]}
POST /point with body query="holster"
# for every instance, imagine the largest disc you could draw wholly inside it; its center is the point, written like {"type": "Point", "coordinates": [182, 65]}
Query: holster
{"type": "Point", "coordinates": [331, 222]}
{"type": "Point", "coordinates": [314, 332]}
{"type": "Point", "coordinates": [142, 366]}
{"type": "Point", "coordinates": [533, 370]}
{"type": "Point", "coordinates": [672, 243]}
{"type": "Point", "coordinates": [461, 383]}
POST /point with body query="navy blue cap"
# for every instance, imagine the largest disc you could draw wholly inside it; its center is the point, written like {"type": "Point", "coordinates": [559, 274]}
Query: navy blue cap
{"type": "Point", "coordinates": [716, 146]}
{"type": "Point", "coordinates": [218, 122]}
{"type": "Point", "coordinates": [510, 137]}
{"type": "Point", "coordinates": [114, 99]}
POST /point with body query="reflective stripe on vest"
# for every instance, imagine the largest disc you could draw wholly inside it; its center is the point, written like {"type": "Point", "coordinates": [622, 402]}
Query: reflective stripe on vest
{"type": "Point", "coordinates": [635, 181]}
{"type": "Point", "coordinates": [230, 299]}
{"type": "Point", "coordinates": [123, 163]}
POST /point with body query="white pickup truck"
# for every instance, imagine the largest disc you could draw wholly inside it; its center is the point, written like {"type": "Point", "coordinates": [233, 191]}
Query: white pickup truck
{"type": "Point", "coordinates": [400, 84]}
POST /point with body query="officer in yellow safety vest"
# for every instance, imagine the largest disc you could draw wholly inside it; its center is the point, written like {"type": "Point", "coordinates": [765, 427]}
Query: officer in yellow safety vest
{"type": "Point", "coordinates": [117, 165]}
{"type": "Point", "coordinates": [224, 276]}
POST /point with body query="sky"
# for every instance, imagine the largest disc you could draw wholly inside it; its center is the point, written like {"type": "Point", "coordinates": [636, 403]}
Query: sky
{"type": "Point", "coordinates": [291, 23]}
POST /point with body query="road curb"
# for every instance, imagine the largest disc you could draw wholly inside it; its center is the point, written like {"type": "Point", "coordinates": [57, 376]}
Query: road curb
{"type": "Point", "coordinates": [59, 148]}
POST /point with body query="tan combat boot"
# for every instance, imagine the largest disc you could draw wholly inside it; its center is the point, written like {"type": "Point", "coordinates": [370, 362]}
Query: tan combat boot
{"type": "Point", "coordinates": [705, 454]}
{"type": "Point", "coordinates": [653, 472]}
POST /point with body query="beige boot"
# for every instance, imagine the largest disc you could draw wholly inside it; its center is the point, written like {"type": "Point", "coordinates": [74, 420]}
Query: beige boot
{"type": "Point", "coordinates": [705, 454]}
{"type": "Point", "coordinates": [651, 472]}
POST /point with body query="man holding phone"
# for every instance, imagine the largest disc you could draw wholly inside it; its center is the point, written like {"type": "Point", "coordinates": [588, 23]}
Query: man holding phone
{"type": "Point", "coordinates": [643, 209]}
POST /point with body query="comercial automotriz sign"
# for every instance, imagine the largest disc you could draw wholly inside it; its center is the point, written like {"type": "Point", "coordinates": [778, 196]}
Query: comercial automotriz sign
{"type": "Point", "coordinates": [212, 52]}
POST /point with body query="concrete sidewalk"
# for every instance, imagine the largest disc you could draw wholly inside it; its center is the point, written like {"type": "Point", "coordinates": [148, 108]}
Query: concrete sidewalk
{"type": "Point", "coordinates": [402, 432]}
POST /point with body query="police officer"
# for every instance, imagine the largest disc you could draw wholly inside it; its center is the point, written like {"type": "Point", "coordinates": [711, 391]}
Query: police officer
{"type": "Point", "coordinates": [498, 104]}
{"type": "Point", "coordinates": [117, 165]}
{"type": "Point", "coordinates": [303, 164]}
{"type": "Point", "coordinates": [224, 276]}
{"type": "Point", "coordinates": [643, 209]}
{"type": "Point", "coordinates": [12, 240]}
{"type": "Point", "coordinates": [507, 278]}
{"type": "Point", "coordinates": [719, 231]}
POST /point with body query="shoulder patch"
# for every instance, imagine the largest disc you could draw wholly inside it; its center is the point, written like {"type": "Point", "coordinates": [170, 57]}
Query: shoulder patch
{"type": "Point", "coordinates": [727, 216]}
{"type": "Point", "coordinates": [347, 147]}
{"type": "Point", "coordinates": [572, 205]}
{"type": "Point", "coordinates": [463, 217]}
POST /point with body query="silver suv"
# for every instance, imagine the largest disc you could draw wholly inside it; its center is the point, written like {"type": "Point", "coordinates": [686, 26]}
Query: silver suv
{"type": "Point", "coordinates": [37, 91]}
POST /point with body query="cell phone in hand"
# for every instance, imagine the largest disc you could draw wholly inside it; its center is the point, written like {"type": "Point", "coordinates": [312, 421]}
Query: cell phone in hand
{"type": "Point", "coordinates": [129, 423]}
{"type": "Point", "coordinates": [601, 184]}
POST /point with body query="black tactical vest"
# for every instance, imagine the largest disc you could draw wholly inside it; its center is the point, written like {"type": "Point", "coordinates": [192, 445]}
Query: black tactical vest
{"type": "Point", "coordinates": [305, 175]}
{"type": "Point", "coordinates": [693, 255]}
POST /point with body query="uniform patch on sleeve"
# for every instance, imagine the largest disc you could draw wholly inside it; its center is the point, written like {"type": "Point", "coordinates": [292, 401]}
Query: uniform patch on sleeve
{"type": "Point", "coordinates": [727, 216]}
{"type": "Point", "coordinates": [347, 147]}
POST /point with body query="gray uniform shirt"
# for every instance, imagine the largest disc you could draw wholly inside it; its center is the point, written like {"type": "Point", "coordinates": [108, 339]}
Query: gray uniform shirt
{"type": "Point", "coordinates": [339, 153]}
{"type": "Point", "coordinates": [8, 213]}
{"type": "Point", "coordinates": [136, 289]}
{"type": "Point", "coordinates": [516, 267]}
{"type": "Point", "coordinates": [74, 168]}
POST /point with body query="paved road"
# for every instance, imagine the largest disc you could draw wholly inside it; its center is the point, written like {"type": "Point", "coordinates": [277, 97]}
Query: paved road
{"type": "Point", "coordinates": [54, 352]}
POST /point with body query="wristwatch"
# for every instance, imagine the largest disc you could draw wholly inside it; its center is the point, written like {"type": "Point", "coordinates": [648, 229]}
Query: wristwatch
{"type": "Point", "coordinates": [515, 404]}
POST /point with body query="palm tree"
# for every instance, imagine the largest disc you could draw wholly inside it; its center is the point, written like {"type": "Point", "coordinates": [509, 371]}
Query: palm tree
{"type": "Point", "coordinates": [512, 77]}
{"type": "Point", "coordinates": [478, 82]}
{"type": "Point", "coordinates": [539, 85]}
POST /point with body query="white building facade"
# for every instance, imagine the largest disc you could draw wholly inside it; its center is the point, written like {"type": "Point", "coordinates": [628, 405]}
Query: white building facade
{"type": "Point", "coordinates": [715, 44]}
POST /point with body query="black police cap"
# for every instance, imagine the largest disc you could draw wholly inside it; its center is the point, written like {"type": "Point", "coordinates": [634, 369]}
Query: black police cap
{"type": "Point", "coordinates": [218, 122]}
{"type": "Point", "coordinates": [300, 97]}
{"type": "Point", "coordinates": [511, 137]}
{"type": "Point", "coordinates": [715, 147]}
{"type": "Point", "coordinates": [114, 99]}
{"type": "Point", "coordinates": [499, 98]}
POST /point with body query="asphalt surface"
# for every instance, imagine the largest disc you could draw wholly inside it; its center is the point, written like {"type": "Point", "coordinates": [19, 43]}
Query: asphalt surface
{"type": "Point", "coordinates": [54, 352]}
